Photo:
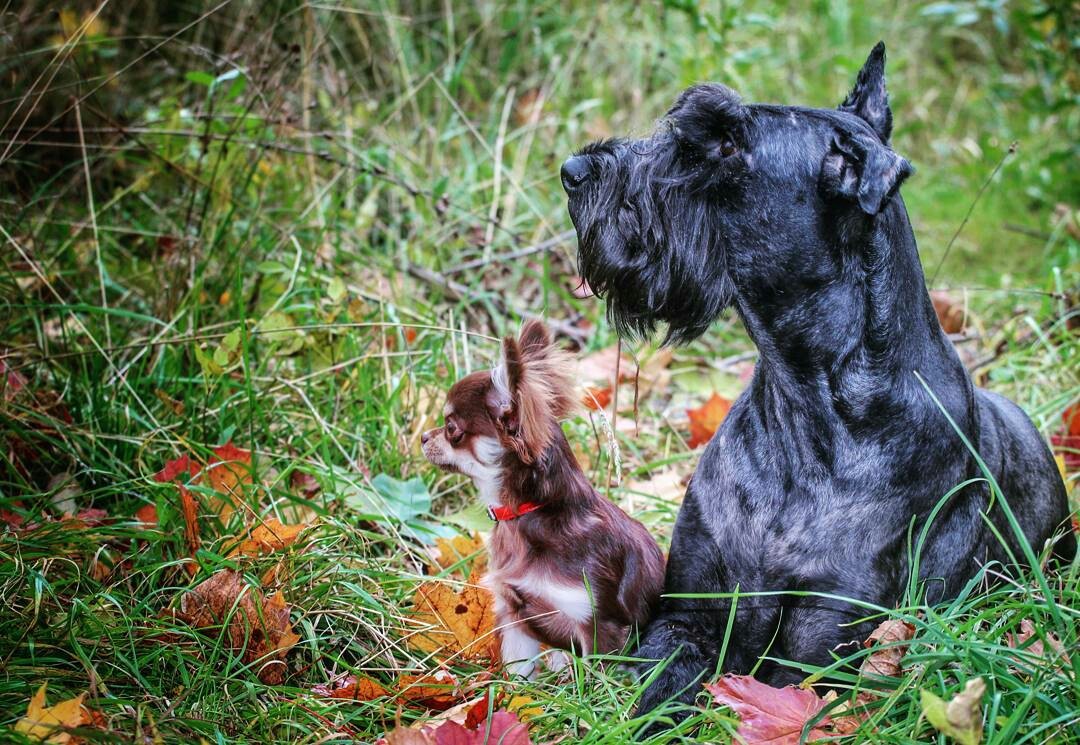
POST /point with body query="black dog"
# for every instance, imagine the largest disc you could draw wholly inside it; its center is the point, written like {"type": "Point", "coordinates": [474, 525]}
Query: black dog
{"type": "Point", "coordinates": [791, 216]}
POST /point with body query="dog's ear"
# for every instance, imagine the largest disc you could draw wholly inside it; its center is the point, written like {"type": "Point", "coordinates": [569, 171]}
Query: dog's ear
{"type": "Point", "coordinates": [869, 100]}
{"type": "Point", "coordinates": [860, 169]}
{"type": "Point", "coordinates": [533, 389]}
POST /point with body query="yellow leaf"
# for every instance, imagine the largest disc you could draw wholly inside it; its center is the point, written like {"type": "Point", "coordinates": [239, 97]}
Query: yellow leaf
{"type": "Point", "coordinates": [46, 723]}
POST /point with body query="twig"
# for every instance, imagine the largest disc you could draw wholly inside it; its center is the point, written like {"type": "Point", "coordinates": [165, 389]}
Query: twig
{"type": "Point", "coordinates": [545, 245]}
{"type": "Point", "coordinates": [459, 292]}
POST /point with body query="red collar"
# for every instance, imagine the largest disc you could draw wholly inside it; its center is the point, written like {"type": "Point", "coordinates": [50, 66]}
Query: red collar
{"type": "Point", "coordinates": [500, 513]}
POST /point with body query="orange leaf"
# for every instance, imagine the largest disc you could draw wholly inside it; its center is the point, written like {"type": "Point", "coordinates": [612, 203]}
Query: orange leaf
{"type": "Point", "coordinates": [451, 551]}
{"type": "Point", "coordinates": [259, 627]}
{"type": "Point", "coordinates": [453, 623]}
{"type": "Point", "coordinates": [596, 398]}
{"type": "Point", "coordinates": [1071, 417]}
{"type": "Point", "coordinates": [705, 420]}
{"type": "Point", "coordinates": [440, 690]}
{"type": "Point", "coordinates": [225, 474]}
{"type": "Point", "coordinates": [352, 688]}
{"type": "Point", "coordinates": [950, 314]}
{"type": "Point", "coordinates": [147, 514]}
{"type": "Point", "coordinates": [270, 535]}
{"type": "Point", "coordinates": [767, 715]}
{"type": "Point", "coordinates": [47, 723]}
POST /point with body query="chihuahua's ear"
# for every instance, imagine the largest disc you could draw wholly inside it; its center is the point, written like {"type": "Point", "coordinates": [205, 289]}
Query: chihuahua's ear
{"type": "Point", "coordinates": [536, 380]}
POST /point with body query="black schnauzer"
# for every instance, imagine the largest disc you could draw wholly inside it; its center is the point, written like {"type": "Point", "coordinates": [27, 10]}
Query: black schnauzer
{"type": "Point", "coordinates": [842, 447]}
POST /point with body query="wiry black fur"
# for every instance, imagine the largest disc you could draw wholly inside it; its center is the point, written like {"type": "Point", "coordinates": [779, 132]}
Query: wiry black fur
{"type": "Point", "coordinates": [792, 216]}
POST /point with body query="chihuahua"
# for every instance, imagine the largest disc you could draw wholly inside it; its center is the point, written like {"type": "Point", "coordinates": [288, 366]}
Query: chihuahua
{"type": "Point", "coordinates": [567, 567]}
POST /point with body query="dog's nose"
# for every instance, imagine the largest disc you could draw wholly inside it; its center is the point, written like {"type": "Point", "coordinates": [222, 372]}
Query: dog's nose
{"type": "Point", "coordinates": [574, 172]}
{"type": "Point", "coordinates": [426, 436]}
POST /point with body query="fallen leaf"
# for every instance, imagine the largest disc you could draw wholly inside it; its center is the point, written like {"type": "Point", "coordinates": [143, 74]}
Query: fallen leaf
{"type": "Point", "coordinates": [269, 535]}
{"type": "Point", "coordinates": [353, 689]}
{"type": "Point", "coordinates": [406, 736]}
{"type": "Point", "coordinates": [667, 485]}
{"type": "Point", "coordinates": [451, 622]}
{"type": "Point", "coordinates": [886, 657]}
{"type": "Point", "coordinates": [1068, 447]}
{"type": "Point", "coordinates": [257, 626]}
{"type": "Point", "coordinates": [177, 407]}
{"type": "Point", "coordinates": [12, 381]}
{"type": "Point", "coordinates": [951, 315]}
{"type": "Point", "coordinates": [1028, 640]}
{"type": "Point", "coordinates": [705, 420]}
{"type": "Point", "coordinates": [960, 718]}
{"type": "Point", "coordinates": [450, 552]}
{"type": "Point", "coordinates": [172, 471]}
{"type": "Point", "coordinates": [47, 723]}
{"type": "Point", "coordinates": [439, 690]}
{"type": "Point", "coordinates": [226, 474]}
{"type": "Point", "coordinates": [596, 398]}
{"type": "Point", "coordinates": [1071, 418]}
{"type": "Point", "coordinates": [502, 727]}
{"type": "Point", "coordinates": [767, 715]}
{"type": "Point", "coordinates": [304, 483]}
{"type": "Point", "coordinates": [147, 514]}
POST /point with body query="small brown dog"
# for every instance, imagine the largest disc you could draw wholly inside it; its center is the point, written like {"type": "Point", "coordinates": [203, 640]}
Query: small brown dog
{"type": "Point", "coordinates": [567, 567]}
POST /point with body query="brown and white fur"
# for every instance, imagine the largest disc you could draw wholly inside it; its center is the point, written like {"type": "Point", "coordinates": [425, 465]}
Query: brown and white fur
{"type": "Point", "coordinates": [577, 573]}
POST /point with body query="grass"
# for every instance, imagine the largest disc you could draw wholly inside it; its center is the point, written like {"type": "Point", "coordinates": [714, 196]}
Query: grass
{"type": "Point", "coordinates": [285, 176]}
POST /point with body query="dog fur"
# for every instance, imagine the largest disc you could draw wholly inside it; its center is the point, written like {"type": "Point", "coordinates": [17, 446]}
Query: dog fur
{"type": "Point", "coordinates": [837, 452]}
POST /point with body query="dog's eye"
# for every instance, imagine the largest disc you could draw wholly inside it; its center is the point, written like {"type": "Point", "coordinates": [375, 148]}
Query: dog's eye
{"type": "Point", "coordinates": [454, 434]}
{"type": "Point", "coordinates": [727, 148]}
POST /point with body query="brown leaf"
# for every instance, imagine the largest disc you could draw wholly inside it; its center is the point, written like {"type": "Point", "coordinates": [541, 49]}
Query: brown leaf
{"type": "Point", "coordinates": [257, 626]}
{"type": "Point", "coordinates": [353, 689]}
{"type": "Point", "coordinates": [951, 315]}
{"type": "Point", "coordinates": [177, 407]}
{"type": "Point", "coordinates": [767, 715]}
{"type": "Point", "coordinates": [1029, 641]}
{"type": "Point", "coordinates": [451, 622]}
{"type": "Point", "coordinates": [407, 736]}
{"type": "Point", "coordinates": [706, 419]}
{"type": "Point", "coordinates": [885, 660]}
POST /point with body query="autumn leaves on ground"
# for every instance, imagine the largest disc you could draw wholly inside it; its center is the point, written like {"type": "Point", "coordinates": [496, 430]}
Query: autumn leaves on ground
{"type": "Point", "coordinates": [245, 254]}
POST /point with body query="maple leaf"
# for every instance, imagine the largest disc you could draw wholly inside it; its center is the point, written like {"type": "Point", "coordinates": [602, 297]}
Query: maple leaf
{"type": "Point", "coordinates": [960, 718]}
{"type": "Point", "coordinates": [452, 551]}
{"type": "Point", "coordinates": [226, 473]}
{"type": "Point", "coordinates": [353, 689]}
{"type": "Point", "coordinates": [452, 622]}
{"type": "Point", "coordinates": [767, 715]}
{"type": "Point", "coordinates": [885, 660]}
{"type": "Point", "coordinates": [705, 420]}
{"type": "Point", "coordinates": [47, 723]}
{"type": "Point", "coordinates": [257, 626]}
{"type": "Point", "coordinates": [270, 535]}
{"type": "Point", "coordinates": [172, 471]}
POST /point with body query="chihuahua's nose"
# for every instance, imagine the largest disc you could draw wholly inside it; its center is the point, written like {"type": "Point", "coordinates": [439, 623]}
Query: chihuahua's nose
{"type": "Point", "coordinates": [426, 436]}
{"type": "Point", "coordinates": [575, 172]}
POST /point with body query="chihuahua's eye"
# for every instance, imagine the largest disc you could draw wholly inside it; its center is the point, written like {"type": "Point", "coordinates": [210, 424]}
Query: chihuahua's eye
{"type": "Point", "coordinates": [453, 433]}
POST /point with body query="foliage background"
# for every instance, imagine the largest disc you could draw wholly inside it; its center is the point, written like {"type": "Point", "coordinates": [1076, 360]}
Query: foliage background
{"type": "Point", "coordinates": [281, 198]}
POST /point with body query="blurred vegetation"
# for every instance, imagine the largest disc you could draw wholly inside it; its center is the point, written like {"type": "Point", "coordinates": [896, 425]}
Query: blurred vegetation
{"type": "Point", "coordinates": [273, 222]}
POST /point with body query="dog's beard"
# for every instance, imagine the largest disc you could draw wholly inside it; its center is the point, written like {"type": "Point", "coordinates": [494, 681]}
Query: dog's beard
{"type": "Point", "coordinates": [657, 259]}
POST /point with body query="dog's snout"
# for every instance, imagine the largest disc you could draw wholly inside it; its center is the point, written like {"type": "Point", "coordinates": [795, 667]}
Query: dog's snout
{"type": "Point", "coordinates": [427, 435]}
{"type": "Point", "coordinates": [575, 172]}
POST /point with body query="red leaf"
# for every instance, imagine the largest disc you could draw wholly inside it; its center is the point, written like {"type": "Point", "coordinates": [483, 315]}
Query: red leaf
{"type": "Point", "coordinates": [477, 713]}
{"type": "Point", "coordinates": [147, 514]}
{"type": "Point", "coordinates": [1069, 448]}
{"type": "Point", "coordinates": [1071, 417]}
{"type": "Point", "coordinates": [229, 452]}
{"type": "Point", "coordinates": [597, 398]}
{"type": "Point", "coordinates": [767, 715]}
{"type": "Point", "coordinates": [174, 468]}
{"type": "Point", "coordinates": [503, 728]}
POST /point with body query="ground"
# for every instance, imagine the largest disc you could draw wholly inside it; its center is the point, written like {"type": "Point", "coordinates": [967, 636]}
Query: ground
{"type": "Point", "coordinates": [290, 227]}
